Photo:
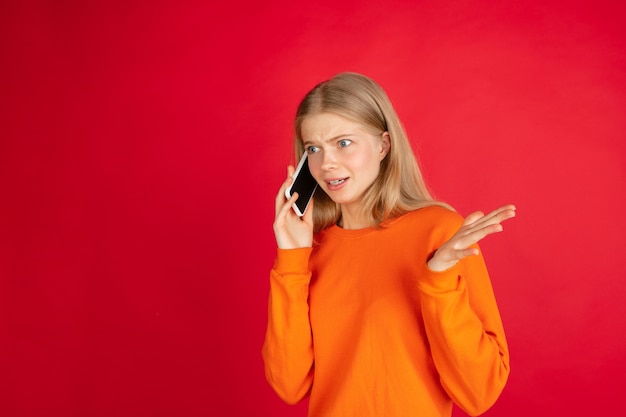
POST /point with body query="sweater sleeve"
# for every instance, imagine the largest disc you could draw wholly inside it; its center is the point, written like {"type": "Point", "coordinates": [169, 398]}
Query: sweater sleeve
{"type": "Point", "coordinates": [465, 333]}
{"type": "Point", "coordinates": [288, 347]}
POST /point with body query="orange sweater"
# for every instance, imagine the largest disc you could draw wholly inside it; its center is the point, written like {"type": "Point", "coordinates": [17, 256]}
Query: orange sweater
{"type": "Point", "coordinates": [361, 324]}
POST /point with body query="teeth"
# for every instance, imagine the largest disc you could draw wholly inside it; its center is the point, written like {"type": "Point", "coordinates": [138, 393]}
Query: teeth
{"type": "Point", "coordinates": [335, 182]}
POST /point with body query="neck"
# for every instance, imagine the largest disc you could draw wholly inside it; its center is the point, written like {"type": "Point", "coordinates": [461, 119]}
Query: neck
{"type": "Point", "coordinates": [351, 219]}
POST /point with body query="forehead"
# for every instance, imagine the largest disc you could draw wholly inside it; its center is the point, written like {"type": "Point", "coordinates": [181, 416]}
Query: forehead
{"type": "Point", "coordinates": [322, 126]}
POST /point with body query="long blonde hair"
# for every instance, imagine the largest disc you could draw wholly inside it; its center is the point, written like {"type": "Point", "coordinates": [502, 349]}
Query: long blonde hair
{"type": "Point", "coordinates": [400, 187]}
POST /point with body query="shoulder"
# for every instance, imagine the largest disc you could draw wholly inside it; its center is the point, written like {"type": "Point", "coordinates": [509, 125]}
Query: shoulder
{"type": "Point", "coordinates": [434, 216]}
{"type": "Point", "coordinates": [435, 223]}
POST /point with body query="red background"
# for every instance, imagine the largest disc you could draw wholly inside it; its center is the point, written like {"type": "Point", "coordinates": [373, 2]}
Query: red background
{"type": "Point", "coordinates": [142, 144]}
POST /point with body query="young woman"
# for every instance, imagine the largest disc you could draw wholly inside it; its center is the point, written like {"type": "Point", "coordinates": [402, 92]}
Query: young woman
{"type": "Point", "coordinates": [380, 302]}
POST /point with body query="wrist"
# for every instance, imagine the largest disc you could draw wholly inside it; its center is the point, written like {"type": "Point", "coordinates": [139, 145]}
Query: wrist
{"type": "Point", "coordinates": [440, 267]}
{"type": "Point", "coordinates": [434, 264]}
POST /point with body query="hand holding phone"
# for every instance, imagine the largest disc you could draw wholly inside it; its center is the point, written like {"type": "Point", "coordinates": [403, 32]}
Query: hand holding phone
{"type": "Point", "coordinates": [304, 184]}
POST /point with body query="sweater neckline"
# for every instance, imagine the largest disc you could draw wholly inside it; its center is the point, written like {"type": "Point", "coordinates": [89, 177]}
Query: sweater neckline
{"type": "Point", "coordinates": [349, 233]}
{"type": "Point", "coordinates": [356, 233]}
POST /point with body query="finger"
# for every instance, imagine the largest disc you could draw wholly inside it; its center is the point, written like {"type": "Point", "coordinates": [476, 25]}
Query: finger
{"type": "Point", "coordinates": [502, 213]}
{"type": "Point", "coordinates": [280, 197]}
{"type": "Point", "coordinates": [473, 217]}
{"type": "Point", "coordinates": [445, 259]}
{"type": "Point", "coordinates": [476, 235]}
{"type": "Point", "coordinates": [497, 216]}
{"type": "Point", "coordinates": [308, 213]}
{"type": "Point", "coordinates": [284, 209]}
{"type": "Point", "coordinates": [469, 252]}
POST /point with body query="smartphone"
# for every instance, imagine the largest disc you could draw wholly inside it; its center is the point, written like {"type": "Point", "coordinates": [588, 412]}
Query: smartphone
{"type": "Point", "coordinates": [304, 184]}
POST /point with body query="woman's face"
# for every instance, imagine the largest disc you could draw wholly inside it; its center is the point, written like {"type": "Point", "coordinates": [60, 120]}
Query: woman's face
{"type": "Point", "coordinates": [344, 156]}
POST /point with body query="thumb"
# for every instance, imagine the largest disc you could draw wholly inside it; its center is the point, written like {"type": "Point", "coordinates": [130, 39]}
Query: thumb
{"type": "Point", "coordinates": [308, 214]}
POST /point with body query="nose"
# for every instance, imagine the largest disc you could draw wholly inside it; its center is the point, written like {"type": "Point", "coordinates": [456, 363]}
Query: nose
{"type": "Point", "coordinates": [329, 161]}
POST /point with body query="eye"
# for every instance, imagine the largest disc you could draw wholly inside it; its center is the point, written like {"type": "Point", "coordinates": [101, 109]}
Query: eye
{"type": "Point", "coordinates": [312, 149]}
{"type": "Point", "coordinates": [344, 142]}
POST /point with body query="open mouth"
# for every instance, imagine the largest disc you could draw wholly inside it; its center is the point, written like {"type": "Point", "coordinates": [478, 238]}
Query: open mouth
{"type": "Point", "coordinates": [336, 182]}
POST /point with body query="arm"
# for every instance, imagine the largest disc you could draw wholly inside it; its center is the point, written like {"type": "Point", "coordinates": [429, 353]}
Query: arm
{"type": "Point", "coordinates": [465, 333]}
{"type": "Point", "coordinates": [461, 316]}
{"type": "Point", "coordinates": [288, 348]}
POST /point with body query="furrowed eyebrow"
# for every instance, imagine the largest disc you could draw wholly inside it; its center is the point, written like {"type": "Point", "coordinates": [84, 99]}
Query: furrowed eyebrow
{"type": "Point", "coordinates": [334, 138]}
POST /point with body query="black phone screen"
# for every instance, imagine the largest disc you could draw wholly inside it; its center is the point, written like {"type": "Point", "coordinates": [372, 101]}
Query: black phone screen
{"type": "Point", "coordinates": [304, 184]}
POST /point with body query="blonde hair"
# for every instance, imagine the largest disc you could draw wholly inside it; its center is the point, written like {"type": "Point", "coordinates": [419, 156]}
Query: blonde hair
{"type": "Point", "coordinates": [400, 187]}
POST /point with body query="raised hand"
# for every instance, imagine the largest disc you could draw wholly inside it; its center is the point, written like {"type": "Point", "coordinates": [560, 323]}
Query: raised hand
{"type": "Point", "coordinates": [290, 230]}
{"type": "Point", "coordinates": [475, 227]}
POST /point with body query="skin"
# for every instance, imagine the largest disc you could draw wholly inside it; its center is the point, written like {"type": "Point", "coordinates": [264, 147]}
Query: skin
{"type": "Point", "coordinates": [344, 158]}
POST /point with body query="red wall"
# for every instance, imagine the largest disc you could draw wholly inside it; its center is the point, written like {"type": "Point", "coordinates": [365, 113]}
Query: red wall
{"type": "Point", "coordinates": [142, 144]}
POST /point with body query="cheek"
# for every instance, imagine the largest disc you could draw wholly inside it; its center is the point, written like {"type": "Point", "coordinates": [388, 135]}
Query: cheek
{"type": "Point", "coordinates": [367, 163]}
{"type": "Point", "coordinates": [314, 167]}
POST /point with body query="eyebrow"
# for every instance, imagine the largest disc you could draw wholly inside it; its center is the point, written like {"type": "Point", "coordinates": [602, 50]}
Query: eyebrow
{"type": "Point", "coordinates": [336, 137]}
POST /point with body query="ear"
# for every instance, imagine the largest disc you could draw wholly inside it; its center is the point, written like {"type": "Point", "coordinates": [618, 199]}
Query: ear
{"type": "Point", "coordinates": [386, 145]}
